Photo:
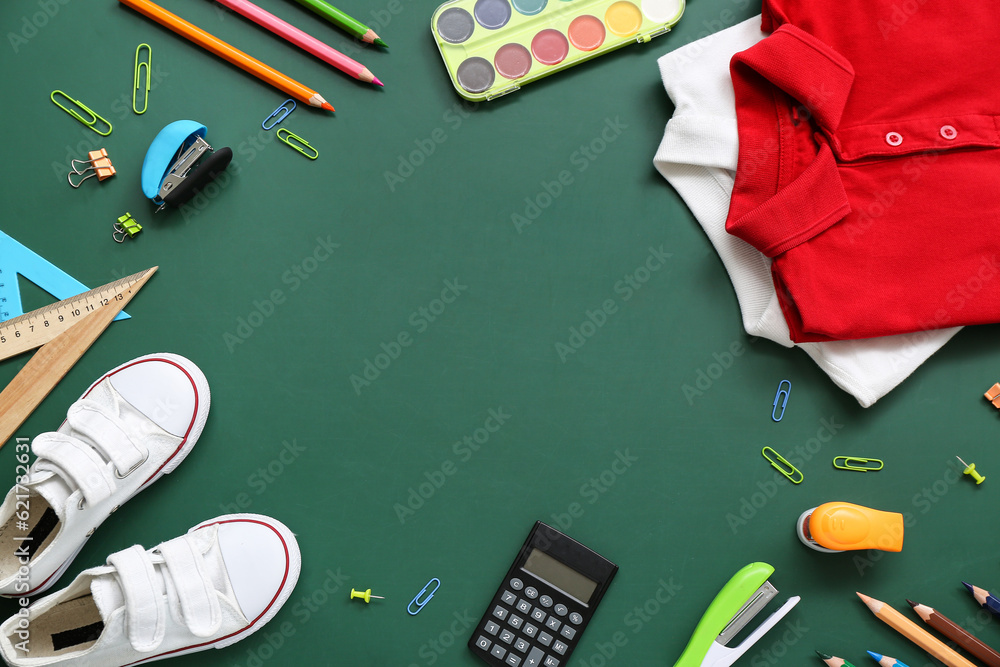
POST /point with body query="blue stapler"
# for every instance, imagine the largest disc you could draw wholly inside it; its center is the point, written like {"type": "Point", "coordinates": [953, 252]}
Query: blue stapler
{"type": "Point", "coordinates": [179, 163]}
{"type": "Point", "coordinates": [737, 603]}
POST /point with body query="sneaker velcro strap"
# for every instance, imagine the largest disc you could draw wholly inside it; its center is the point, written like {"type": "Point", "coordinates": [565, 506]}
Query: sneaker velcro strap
{"type": "Point", "coordinates": [145, 605]}
{"type": "Point", "coordinates": [79, 461]}
{"type": "Point", "coordinates": [107, 433]}
{"type": "Point", "coordinates": [200, 608]}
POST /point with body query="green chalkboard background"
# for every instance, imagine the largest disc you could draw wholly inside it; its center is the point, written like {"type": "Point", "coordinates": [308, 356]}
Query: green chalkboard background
{"type": "Point", "coordinates": [361, 482]}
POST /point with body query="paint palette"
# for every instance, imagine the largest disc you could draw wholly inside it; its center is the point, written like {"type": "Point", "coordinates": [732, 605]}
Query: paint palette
{"type": "Point", "coordinates": [493, 47]}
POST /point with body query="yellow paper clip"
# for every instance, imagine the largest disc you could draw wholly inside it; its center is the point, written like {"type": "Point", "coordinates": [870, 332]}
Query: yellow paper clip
{"type": "Point", "coordinates": [303, 142]}
{"type": "Point", "coordinates": [139, 66]}
{"type": "Point", "coordinates": [783, 466]}
{"type": "Point", "coordinates": [856, 463]}
{"type": "Point", "coordinates": [94, 118]}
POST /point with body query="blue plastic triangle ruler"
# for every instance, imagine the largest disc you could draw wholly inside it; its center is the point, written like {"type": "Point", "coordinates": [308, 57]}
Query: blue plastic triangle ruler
{"type": "Point", "coordinates": [15, 259]}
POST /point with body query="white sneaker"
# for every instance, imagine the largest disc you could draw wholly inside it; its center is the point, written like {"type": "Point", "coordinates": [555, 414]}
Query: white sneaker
{"type": "Point", "coordinates": [131, 427]}
{"type": "Point", "coordinates": [210, 588]}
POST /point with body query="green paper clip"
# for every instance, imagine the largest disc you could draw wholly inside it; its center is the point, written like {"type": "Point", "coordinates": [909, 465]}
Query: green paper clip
{"type": "Point", "coordinates": [303, 142]}
{"type": "Point", "coordinates": [783, 466]}
{"type": "Point", "coordinates": [139, 66]}
{"type": "Point", "coordinates": [72, 112]}
{"type": "Point", "coordinates": [856, 463]}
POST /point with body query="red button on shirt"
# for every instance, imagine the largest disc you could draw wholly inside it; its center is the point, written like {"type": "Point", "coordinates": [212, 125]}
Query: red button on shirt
{"type": "Point", "coordinates": [868, 164]}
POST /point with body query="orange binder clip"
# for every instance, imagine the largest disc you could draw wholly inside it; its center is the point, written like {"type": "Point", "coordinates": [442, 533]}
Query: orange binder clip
{"type": "Point", "coordinates": [99, 164]}
{"type": "Point", "coordinates": [993, 395]}
{"type": "Point", "coordinates": [839, 526]}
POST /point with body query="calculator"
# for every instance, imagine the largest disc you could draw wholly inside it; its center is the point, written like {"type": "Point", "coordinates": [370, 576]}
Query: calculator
{"type": "Point", "coordinates": [544, 603]}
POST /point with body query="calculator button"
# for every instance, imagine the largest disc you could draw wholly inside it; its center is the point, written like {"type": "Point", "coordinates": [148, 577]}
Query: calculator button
{"type": "Point", "coordinates": [545, 601]}
{"type": "Point", "coordinates": [561, 610]}
{"type": "Point", "coordinates": [544, 638]}
{"type": "Point", "coordinates": [522, 645]}
{"type": "Point", "coordinates": [512, 660]}
{"type": "Point", "coordinates": [515, 622]}
{"type": "Point", "coordinates": [506, 636]}
{"type": "Point", "coordinates": [531, 592]}
{"type": "Point", "coordinates": [566, 631]}
{"type": "Point", "coordinates": [500, 612]}
{"type": "Point", "coordinates": [492, 628]}
{"type": "Point", "coordinates": [524, 606]}
{"type": "Point", "coordinates": [530, 630]}
{"type": "Point", "coordinates": [553, 623]}
{"type": "Point", "coordinates": [560, 648]}
{"type": "Point", "coordinates": [516, 584]}
{"type": "Point", "coordinates": [508, 598]}
{"type": "Point", "coordinates": [538, 615]}
{"type": "Point", "coordinates": [534, 658]}
{"type": "Point", "coordinates": [498, 651]}
{"type": "Point", "coordinates": [550, 662]}
{"type": "Point", "coordinates": [575, 618]}
{"type": "Point", "coordinates": [483, 643]}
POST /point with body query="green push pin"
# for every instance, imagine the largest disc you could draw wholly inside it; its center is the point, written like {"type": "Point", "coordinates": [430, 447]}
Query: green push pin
{"type": "Point", "coordinates": [971, 470]}
{"type": "Point", "coordinates": [366, 596]}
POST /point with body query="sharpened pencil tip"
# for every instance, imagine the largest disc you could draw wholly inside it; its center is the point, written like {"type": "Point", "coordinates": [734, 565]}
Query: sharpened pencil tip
{"type": "Point", "coordinates": [969, 586]}
{"type": "Point", "coordinates": [824, 656]}
{"type": "Point", "coordinates": [376, 81]}
{"type": "Point", "coordinates": [327, 106]}
{"type": "Point", "coordinates": [911, 602]}
{"type": "Point", "coordinates": [875, 656]}
{"type": "Point", "coordinates": [378, 41]}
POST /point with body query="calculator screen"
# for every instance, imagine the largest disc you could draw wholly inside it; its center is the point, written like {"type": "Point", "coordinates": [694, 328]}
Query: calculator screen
{"type": "Point", "coordinates": [554, 573]}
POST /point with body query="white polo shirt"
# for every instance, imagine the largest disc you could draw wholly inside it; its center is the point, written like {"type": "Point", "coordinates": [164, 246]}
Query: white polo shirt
{"type": "Point", "coordinates": [698, 156]}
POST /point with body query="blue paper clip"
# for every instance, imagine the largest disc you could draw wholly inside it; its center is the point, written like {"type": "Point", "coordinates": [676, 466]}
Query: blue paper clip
{"type": "Point", "coordinates": [782, 395]}
{"type": "Point", "coordinates": [417, 601]}
{"type": "Point", "coordinates": [279, 118]}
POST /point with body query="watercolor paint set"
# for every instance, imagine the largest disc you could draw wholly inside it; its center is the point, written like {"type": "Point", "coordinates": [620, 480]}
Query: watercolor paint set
{"type": "Point", "coordinates": [493, 47]}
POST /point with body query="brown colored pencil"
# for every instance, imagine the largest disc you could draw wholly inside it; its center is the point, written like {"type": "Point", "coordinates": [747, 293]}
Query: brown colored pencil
{"type": "Point", "coordinates": [914, 633]}
{"type": "Point", "coordinates": [957, 634]}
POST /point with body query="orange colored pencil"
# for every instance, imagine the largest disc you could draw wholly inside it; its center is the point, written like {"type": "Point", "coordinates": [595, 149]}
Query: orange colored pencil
{"type": "Point", "coordinates": [207, 41]}
{"type": "Point", "coordinates": [914, 633]}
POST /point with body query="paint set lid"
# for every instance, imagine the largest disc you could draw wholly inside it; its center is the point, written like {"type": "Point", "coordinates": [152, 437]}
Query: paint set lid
{"type": "Point", "coordinates": [493, 47]}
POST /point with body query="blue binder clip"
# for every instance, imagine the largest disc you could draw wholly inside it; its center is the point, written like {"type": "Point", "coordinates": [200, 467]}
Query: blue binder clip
{"type": "Point", "coordinates": [174, 170]}
{"type": "Point", "coordinates": [420, 603]}
{"type": "Point", "coordinates": [782, 396]}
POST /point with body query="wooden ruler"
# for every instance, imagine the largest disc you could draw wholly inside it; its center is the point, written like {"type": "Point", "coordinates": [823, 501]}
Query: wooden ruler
{"type": "Point", "coordinates": [64, 330]}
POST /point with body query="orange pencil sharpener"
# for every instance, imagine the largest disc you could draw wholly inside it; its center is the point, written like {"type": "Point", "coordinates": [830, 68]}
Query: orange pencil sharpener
{"type": "Point", "coordinates": [839, 526]}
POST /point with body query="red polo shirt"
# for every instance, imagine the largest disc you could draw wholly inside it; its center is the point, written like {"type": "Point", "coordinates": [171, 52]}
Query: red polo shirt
{"type": "Point", "coordinates": [868, 163]}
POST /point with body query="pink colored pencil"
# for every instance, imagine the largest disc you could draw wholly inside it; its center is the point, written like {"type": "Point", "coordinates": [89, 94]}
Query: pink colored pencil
{"type": "Point", "coordinates": [304, 41]}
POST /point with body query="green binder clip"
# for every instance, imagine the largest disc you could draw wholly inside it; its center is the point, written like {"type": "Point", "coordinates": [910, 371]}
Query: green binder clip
{"type": "Point", "coordinates": [300, 144]}
{"type": "Point", "coordinates": [126, 227]}
{"type": "Point", "coordinates": [778, 461]}
{"type": "Point", "coordinates": [94, 118]}
{"type": "Point", "coordinates": [856, 463]}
